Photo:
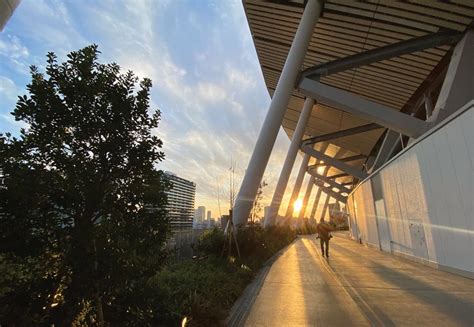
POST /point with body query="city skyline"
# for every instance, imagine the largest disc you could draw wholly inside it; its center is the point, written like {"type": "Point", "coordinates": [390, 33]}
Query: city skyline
{"type": "Point", "coordinates": [205, 107]}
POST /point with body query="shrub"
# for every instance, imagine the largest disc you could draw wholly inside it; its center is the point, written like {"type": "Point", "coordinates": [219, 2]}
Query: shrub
{"type": "Point", "coordinates": [211, 242]}
{"type": "Point", "coordinates": [203, 291]}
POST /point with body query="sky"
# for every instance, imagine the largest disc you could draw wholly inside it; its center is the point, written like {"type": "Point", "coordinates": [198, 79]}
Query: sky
{"type": "Point", "coordinates": [207, 81]}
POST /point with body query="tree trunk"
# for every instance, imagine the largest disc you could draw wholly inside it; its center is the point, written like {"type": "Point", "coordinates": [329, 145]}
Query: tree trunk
{"type": "Point", "coordinates": [100, 313]}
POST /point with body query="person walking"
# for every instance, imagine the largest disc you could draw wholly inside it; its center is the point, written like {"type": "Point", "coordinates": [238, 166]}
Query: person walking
{"type": "Point", "coordinates": [324, 235]}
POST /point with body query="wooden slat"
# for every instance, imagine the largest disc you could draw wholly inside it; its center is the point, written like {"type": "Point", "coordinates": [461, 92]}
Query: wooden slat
{"type": "Point", "coordinates": [360, 9]}
{"type": "Point", "coordinates": [428, 10]}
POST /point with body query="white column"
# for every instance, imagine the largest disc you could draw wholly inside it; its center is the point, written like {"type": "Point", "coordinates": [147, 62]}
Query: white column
{"type": "Point", "coordinates": [315, 203]}
{"type": "Point", "coordinates": [297, 187]}
{"type": "Point", "coordinates": [289, 161]}
{"type": "Point", "coordinates": [326, 203]}
{"type": "Point", "coordinates": [276, 111]}
{"type": "Point", "coordinates": [309, 188]}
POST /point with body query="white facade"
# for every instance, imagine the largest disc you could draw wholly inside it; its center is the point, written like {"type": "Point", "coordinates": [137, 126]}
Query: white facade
{"type": "Point", "coordinates": [420, 204]}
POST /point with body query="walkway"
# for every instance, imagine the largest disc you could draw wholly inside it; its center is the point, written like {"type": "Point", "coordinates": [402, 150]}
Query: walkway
{"type": "Point", "coordinates": [358, 286]}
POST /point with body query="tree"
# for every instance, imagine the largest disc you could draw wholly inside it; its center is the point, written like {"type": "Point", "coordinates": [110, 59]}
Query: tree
{"type": "Point", "coordinates": [83, 222]}
{"type": "Point", "coordinates": [257, 204]}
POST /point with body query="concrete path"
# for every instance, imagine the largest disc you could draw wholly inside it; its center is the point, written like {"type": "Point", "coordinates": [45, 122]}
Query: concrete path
{"type": "Point", "coordinates": [358, 286]}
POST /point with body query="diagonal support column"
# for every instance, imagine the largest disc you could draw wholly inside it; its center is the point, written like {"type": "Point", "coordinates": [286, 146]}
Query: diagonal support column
{"type": "Point", "coordinates": [309, 188]}
{"type": "Point", "coordinates": [334, 162]}
{"type": "Point", "coordinates": [329, 181]}
{"type": "Point", "coordinates": [276, 111]}
{"type": "Point", "coordinates": [339, 154]}
{"type": "Point", "coordinates": [316, 203]}
{"type": "Point", "coordinates": [289, 161]}
{"type": "Point", "coordinates": [390, 143]}
{"type": "Point", "coordinates": [458, 85]}
{"type": "Point", "coordinates": [363, 108]}
{"type": "Point", "coordinates": [326, 203]}
{"type": "Point", "coordinates": [297, 187]}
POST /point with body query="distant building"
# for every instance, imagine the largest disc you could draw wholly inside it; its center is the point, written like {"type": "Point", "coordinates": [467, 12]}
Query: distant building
{"type": "Point", "coordinates": [199, 216]}
{"type": "Point", "coordinates": [180, 202]}
{"type": "Point", "coordinates": [209, 215]}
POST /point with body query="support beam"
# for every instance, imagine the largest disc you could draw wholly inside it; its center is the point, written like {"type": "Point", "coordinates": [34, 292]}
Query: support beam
{"type": "Point", "coordinates": [458, 85]}
{"type": "Point", "coordinates": [297, 187]}
{"type": "Point", "coordinates": [330, 192]}
{"type": "Point", "coordinates": [343, 133]}
{"type": "Point", "coordinates": [339, 154]}
{"type": "Point", "coordinates": [276, 111]}
{"type": "Point", "coordinates": [388, 147]}
{"type": "Point", "coordinates": [289, 161]}
{"type": "Point", "coordinates": [338, 175]}
{"type": "Point", "coordinates": [329, 181]}
{"type": "Point", "coordinates": [382, 53]}
{"type": "Point", "coordinates": [347, 159]}
{"type": "Point", "coordinates": [334, 162]}
{"type": "Point", "coordinates": [363, 108]}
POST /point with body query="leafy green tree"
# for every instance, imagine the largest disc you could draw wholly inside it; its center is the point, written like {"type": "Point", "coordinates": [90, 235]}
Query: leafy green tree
{"type": "Point", "coordinates": [82, 224]}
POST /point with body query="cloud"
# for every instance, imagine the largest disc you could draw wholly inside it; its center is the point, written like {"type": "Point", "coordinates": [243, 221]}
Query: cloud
{"type": "Point", "coordinates": [206, 77]}
{"type": "Point", "coordinates": [210, 92]}
{"type": "Point", "coordinates": [8, 88]}
{"type": "Point", "coordinates": [13, 52]}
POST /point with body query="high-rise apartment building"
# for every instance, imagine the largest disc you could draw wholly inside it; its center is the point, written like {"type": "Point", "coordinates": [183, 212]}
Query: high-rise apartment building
{"type": "Point", "coordinates": [180, 202]}
{"type": "Point", "coordinates": [199, 216]}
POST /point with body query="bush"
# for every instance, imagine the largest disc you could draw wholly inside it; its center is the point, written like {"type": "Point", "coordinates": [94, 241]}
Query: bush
{"type": "Point", "coordinates": [203, 291]}
{"type": "Point", "coordinates": [211, 242]}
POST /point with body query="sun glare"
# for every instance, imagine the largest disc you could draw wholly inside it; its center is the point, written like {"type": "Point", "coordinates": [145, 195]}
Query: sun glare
{"type": "Point", "coordinates": [298, 205]}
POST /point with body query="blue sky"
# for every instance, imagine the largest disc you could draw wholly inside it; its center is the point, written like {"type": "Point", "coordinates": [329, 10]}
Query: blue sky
{"type": "Point", "coordinates": [200, 56]}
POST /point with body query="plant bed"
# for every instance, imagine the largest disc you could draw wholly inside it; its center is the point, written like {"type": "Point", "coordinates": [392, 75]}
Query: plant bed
{"type": "Point", "coordinates": [204, 290]}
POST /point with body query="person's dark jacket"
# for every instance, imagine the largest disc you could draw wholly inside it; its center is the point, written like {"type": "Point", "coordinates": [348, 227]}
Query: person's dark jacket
{"type": "Point", "coordinates": [324, 230]}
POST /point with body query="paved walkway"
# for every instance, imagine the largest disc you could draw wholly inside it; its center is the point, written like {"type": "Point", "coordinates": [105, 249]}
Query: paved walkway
{"type": "Point", "coordinates": [358, 286]}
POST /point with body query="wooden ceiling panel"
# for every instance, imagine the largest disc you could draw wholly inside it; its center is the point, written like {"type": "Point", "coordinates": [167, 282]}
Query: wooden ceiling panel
{"type": "Point", "coordinates": [348, 27]}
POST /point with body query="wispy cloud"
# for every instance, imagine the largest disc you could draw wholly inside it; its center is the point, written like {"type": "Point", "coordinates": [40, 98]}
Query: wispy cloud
{"type": "Point", "coordinates": [200, 55]}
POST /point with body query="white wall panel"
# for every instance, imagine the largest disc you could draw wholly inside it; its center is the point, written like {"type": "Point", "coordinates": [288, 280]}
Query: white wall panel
{"type": "Point", "coordinates": [372, 234]}
{"type": "Point", "coordinates": [428, 192]}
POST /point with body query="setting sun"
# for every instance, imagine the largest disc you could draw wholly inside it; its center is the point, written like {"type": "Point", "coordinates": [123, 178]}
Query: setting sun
{"type": "Point", "coordinates": [297, 206]}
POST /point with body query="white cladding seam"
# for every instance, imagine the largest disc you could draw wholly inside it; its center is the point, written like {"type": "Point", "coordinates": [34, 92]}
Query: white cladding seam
{"type": "Point", "coordinates": [276, 112]}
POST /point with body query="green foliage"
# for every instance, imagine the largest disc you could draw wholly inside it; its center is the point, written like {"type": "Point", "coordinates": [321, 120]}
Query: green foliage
{"type": "Point", "coordinates": [211, 242]}
{"type": "Point", "coordinates": [200, 290]}
{"type": "Point", "coordinates": [204, 290]}
{"type": "Point", "coordinates": [78, 229]}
